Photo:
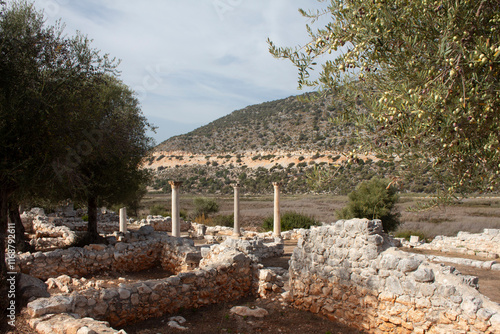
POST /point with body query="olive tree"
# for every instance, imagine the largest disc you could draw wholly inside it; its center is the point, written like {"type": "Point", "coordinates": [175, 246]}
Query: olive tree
{"type": "Point", "coordinates": [107, 167]}
{"type": "Point", "coordinates": [68, 127]}
{"type": "Point", "coordinates": [427, 74]}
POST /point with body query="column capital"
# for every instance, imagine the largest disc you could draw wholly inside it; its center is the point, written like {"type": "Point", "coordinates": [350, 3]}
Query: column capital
{"type": "Point", "coordinates": [236, 185]}
{"type": "Point", "coordinates": [277, 184]}
{"type": "Point", "coordinates": [175, 184]}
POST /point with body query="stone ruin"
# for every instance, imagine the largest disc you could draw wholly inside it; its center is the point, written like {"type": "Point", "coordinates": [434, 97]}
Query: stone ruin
{"type": "Point", "coordinates": [349, 271]}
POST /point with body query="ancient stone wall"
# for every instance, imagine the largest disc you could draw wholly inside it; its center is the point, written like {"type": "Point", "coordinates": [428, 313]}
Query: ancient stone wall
{"type": "Point", "coordinates": [486, 244]}
{"type": "Point", "coordinates": [48, 235]}
{"type": "Point", "coordinates": [350, 273]}
{"type": "Point", "coordinates": [257, 249]}
{"type": "Point", "coordinates": [142, 252]}
{"type": "Point", "coordinates": [229, 278]}
{"type": "Point", "coordinates": [160, 223]}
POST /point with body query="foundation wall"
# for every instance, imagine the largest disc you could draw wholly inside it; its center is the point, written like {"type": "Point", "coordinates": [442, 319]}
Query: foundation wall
{"type": "Point", "coordinates": [486, 244]}
{"type": "Point", "coordinates": [350, 273]}
{"type": "Point", "coordinates": [174, 254]}
{"type": "Point", "coordinates": [229, 279]}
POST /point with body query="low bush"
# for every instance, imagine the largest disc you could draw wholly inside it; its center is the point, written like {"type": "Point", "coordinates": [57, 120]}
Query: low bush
{"type": "Point", "coordinates": [159, 210]}
{"type": "Point", "coordinates": [223, 220]}
{"type": "Point", "coordinates": [373, 199]}
{"type": "Point", "coordinates": [204, 206]}
{"type": "Point", "coordinates": [290, 221]}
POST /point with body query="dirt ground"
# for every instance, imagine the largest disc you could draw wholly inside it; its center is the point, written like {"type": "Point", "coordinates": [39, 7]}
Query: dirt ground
{"type": "Point", "coordinates": [217, 319]}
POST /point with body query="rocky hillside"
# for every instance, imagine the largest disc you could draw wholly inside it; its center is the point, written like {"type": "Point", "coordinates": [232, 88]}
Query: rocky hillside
{"type": "Point", "coordinates": [291, 140]}
{"type": "Point", "coordinates": [289, 124]}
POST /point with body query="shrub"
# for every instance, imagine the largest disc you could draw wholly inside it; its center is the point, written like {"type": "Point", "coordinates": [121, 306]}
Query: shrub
{"type": "Point", "coordinates": [406, 234]}
{"type": "Point", "coordinates": [205, 206]}
{"type": "Point", "coordinates": [158, 210]}
{"type": "Point", "coordinates": [223, 220]}
{"type": "Point", "coordinates": [290, 221]}
{"type": "Point", "coordinates": [373, 199]}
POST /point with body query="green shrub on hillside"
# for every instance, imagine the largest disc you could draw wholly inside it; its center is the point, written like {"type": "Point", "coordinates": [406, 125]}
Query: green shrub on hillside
{"type": "Point", "coordinates": [373, 199]}
{"type": "Point", "coordinates": [290, 221]}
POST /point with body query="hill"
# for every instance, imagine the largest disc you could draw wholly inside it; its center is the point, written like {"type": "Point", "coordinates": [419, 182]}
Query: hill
{"type": "Point", "coordinates": [289, 124]}
{"type": "Point", "coordinates": [291, 140]}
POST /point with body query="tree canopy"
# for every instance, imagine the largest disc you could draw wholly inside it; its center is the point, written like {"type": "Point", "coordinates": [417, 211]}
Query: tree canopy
{"type": "Point", "coordinates": [69, 128]}
{"type": "Point", "coordinates": [427, 73]}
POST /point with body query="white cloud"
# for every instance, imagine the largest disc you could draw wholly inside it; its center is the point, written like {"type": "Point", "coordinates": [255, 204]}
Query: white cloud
{"type": "Point", "coordinates": [192, 62]}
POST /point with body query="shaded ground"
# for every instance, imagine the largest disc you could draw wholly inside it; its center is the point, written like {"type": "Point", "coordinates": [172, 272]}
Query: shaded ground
{"type": "Point", "coordinates": [217, 319]}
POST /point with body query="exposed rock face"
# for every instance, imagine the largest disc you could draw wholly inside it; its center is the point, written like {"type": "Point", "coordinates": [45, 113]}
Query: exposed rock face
{"type": "Point", "coordinates": [349, 273]}
{"type": "Point", "coordinates": [257, 249]}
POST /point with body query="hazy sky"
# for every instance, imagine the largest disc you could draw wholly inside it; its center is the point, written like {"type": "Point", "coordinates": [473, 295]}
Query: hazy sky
{"type": "Point", "coordinates": [191, 61]}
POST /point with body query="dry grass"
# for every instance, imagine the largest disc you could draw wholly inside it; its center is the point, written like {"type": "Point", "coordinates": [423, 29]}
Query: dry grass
{"type": "Point", "coordinates": [472, 215]}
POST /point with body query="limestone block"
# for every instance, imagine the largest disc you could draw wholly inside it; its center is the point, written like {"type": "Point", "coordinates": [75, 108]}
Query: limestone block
{"type": "Point", "coordinates": [470, 305]}
{"type": "Point", "coordinates": [393, 285]}
{"type": "Point", "coordinates": [52, 305]}
{"type": "Point", "coordinates": [408, 265]}
{"type": "Point", "coordinates": [389, 262]}
{"type": "Point", "coordinates": [249, 312]}
{"type": "Point", "coordinates": [85, 330]}
{"type": "Point", "coordinates": [424, 275]}
{"type": "Point", "coordinates": [31, 288]}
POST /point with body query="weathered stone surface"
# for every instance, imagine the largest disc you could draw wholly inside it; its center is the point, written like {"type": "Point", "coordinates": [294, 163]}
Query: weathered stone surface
{"type": "Point", "coordinates": [392, 292]}
{"type": "Point", "coordinates": [245, 311]}
{"type": "Point", "coordinates": [31, 288]}
{"type": "Point", "coordinates": [486, 244]}
{"type": "Point", "coordinates": [408, 265]}
{"type": "Point", "coordinates": [55, 304]}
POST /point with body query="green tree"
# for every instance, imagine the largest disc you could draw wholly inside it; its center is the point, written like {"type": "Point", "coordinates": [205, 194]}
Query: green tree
{"type": "Point", "coordinates": [289, 221]}
{"type": "Point", "coordinates": [205, 206]}
{"type": "Point", "coordinates": [109, 171]}
{"type": "Point", "coordinates": [46, 82]}
{"type": "Point", "coordinates": [428, 75]}
{"type": "Point", "coordinates": [373, 199]}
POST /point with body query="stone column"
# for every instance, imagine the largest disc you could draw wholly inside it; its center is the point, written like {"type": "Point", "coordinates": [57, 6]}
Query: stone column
{"type": "Point", "coordinates": [123, 220]}
{"type": "Point", "coordinates": [277, 221]}
{"type": "Point", "coordinates": [236, 231]}
{"type": "Point", "coordinates": [176, 224]}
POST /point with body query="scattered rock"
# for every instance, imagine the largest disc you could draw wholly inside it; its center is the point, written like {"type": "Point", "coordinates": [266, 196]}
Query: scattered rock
{"type": "Point", "coordinates": [32, 288]}
{"type": "Point", "coordinates": [175, 324]}
{"type": "Point", "coordinates": [245, 311]}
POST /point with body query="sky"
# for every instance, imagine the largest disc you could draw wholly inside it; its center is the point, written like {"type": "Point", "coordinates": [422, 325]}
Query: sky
{"type": "Point", "coordinates": [193, 61]}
